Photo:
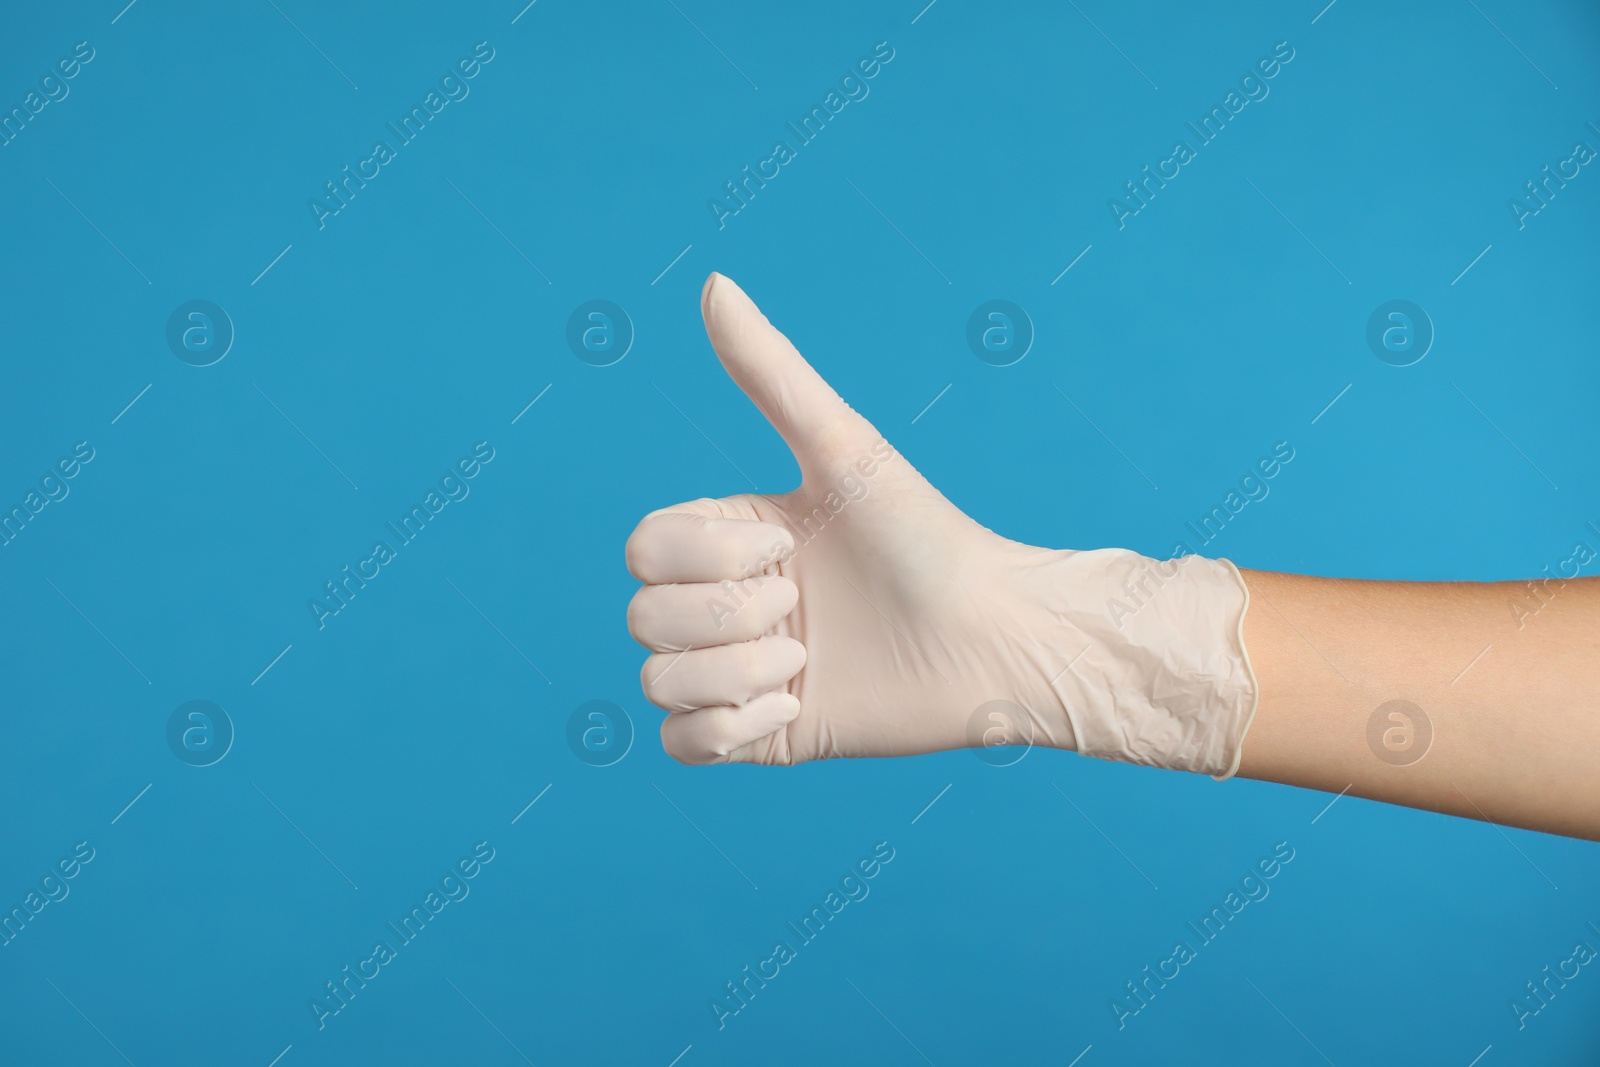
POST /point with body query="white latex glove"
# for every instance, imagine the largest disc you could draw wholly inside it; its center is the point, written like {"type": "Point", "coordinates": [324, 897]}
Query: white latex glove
{"type": "Point", "coordinates": [864, 614]}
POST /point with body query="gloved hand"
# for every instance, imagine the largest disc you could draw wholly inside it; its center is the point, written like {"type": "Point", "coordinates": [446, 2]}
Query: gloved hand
{"type": "Point", "coordinates": [864, 614]}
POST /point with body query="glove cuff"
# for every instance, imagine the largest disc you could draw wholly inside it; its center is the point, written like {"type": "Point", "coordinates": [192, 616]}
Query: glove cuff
{"type": "Point", "coordinates": [1172, 685]}
{"type": "Point", "coordinates": [1248, 701]}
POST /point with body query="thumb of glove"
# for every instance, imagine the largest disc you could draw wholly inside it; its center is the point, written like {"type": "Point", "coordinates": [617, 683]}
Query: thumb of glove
{"type": "Point", "coordinates": [816, 424]}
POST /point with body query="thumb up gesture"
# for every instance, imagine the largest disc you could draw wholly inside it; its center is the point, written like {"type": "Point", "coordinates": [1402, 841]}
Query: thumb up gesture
{"type": "Point", "coordinates": [863, 614]}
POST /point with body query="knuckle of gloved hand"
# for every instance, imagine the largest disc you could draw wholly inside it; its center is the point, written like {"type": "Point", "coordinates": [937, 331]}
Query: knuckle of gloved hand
{"type": "Point", "coordinates": [634, 552]}
{"type": "Point", "coordinates": [648, 675]}
{"type": "Point", "coordinates": [640, 555]}
{"type": "Point", "coordinates": [635, 613]}
{"type": "Point", "coordinates": [644, 615]}
{"type": "Point", "coordinates": [678, 743]}
{"type": "Point", "coordinates": [669, 742]}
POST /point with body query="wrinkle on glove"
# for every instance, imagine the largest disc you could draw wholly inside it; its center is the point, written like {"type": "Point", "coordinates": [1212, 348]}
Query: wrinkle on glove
{"type": "Point", "coordinates": [1169, 685]}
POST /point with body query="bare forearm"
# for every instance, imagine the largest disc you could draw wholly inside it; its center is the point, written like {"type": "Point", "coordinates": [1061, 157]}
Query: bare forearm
{"type": "Point", "coordinates": [1514, 709]}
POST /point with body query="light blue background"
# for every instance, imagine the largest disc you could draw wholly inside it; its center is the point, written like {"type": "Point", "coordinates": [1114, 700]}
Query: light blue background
{"type": "Point", "coordinates": [408, 329]}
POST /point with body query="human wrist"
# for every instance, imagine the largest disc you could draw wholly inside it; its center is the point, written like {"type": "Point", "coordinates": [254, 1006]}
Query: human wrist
{"type": "Point", "coordinates": [1159, 675]}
